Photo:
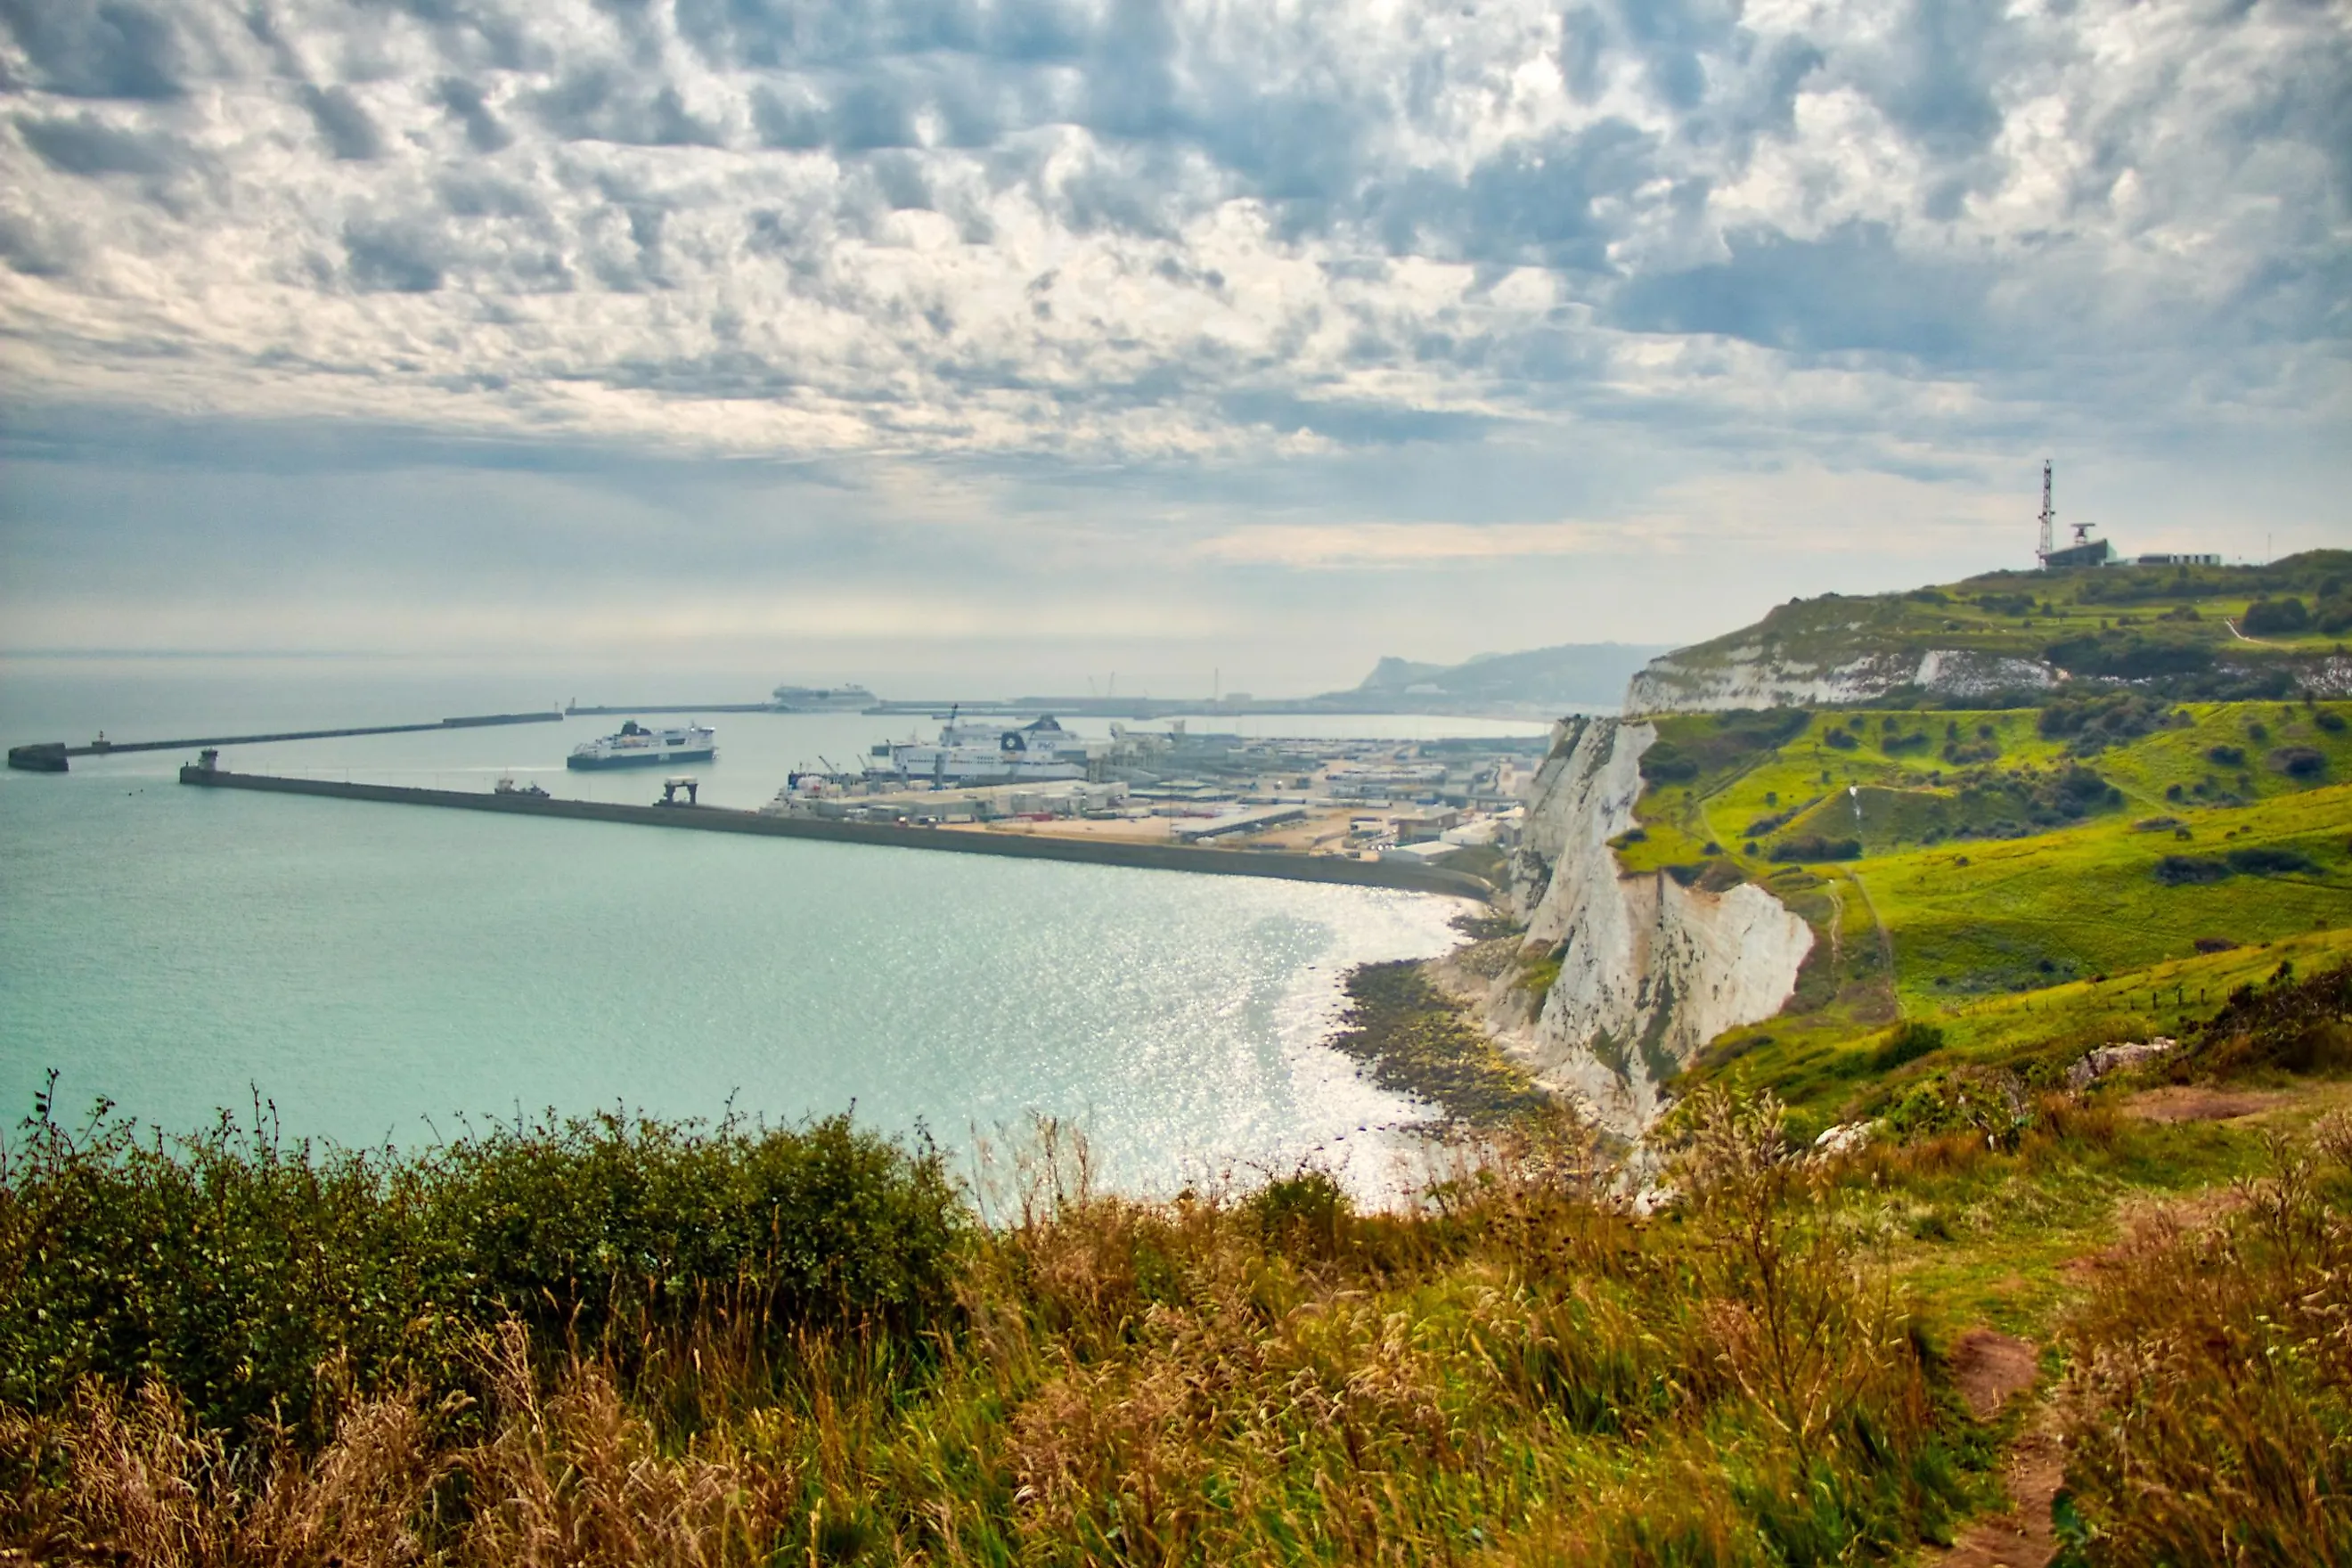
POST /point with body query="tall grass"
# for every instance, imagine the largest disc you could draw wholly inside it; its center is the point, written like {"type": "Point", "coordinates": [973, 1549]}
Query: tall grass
{"type": "Point", "coordinates": [611, 1342]}
{"type": "Point", "coordinates": [2207, 1408]}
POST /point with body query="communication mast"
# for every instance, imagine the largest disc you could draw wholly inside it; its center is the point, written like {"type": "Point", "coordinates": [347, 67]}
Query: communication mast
{"type": "Point", "coordinates": [2048, 519]}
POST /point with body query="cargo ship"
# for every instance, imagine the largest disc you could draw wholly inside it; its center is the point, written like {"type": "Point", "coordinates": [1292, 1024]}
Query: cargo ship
{"type": "Point", "coordinates": [635, 746]}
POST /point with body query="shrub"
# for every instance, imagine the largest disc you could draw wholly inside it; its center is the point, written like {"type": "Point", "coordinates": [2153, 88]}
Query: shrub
{"type": "Point", "coordinates": [1308, 1208]}
{"type": "Point", "coordinates": [2276, 617]}
{"type": "Point", "coordinates": [1664, 764]}
{"type": "Point", "coordinates": [2189, 870]}
{"type": "Point", "coordinates": [1814, 846]}
{"type": "Point", "coordinates": [2299, 761]}
{"type": "Point", "coordinates": [1908, 1043]}
{"type": "Point", "coordinates": [2098, 721]}
{"type": "Point", "coordinates": [242, 1271]}
{"type": "Point", "coordinates": [2127, 656]}
{"type": "Point", "coordinates": [1840, 740]}
{"type": "Point", "coordinates": [2225, 756]}
{"type": "Point", "coordinates": [2329, 720]}
{"type": "Point", "coordinates": [2286, 1025]}
{"type": "Point", "coordinates": [1986, 1102]}
{"type": "Point", "coordinates": [2262, 862]}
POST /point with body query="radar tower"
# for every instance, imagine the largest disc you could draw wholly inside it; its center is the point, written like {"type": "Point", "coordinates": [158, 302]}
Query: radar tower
{"type": "Point", "coordinates": [2048, 519]}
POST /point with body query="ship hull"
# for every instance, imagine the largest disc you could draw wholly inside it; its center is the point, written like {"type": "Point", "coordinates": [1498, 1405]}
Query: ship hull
{"type": "Point", "coordinates": [646, 759]}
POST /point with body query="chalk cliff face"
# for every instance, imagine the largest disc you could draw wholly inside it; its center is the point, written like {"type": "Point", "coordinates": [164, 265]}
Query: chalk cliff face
{"type": "Point", "coordinates": [1758, 677]}
{"type": "Point", "coordinates": [1649, 970]}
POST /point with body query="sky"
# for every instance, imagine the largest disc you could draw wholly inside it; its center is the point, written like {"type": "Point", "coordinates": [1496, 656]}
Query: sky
{"type": "Point", "coordinates": [961, 344]}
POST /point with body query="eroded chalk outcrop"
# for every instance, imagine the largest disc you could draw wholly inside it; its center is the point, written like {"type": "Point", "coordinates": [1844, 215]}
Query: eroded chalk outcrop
{"type": "Point", "coordinates": [1698, 681]}
{"type": "Point", "coordinates": [1649, 970]}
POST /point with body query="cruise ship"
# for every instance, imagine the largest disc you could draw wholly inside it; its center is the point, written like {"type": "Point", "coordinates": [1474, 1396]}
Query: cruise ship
{"type": "Point", "coordinates": [823, 699]}
{"type": "Point", "coordinates": [973, 752]}
{"type": "Point", "coordinates": [635, 746]}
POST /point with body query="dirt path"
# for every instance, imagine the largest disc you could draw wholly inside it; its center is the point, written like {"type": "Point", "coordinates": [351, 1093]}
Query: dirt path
{"type": "Point", "coordinates": [1991, 1368]}
{"type": "Point", "coordinates": [1886, 937]}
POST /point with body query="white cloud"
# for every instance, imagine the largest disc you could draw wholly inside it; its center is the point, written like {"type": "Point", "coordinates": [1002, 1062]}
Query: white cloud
{"type": "Point", "coordinates": [1176, 286]}
{"type": "Point", "coordinates": [1024, 228]}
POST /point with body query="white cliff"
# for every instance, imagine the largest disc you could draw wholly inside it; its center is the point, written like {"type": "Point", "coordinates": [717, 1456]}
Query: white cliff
{"type": "Point", "coordinates": [1649, 970]}
{"type": "Point", "coordinates": [1758, 677]}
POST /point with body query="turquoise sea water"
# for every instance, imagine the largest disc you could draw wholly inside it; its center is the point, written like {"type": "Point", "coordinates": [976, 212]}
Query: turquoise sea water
{"type": "Point", "coordinates": [379, 972]}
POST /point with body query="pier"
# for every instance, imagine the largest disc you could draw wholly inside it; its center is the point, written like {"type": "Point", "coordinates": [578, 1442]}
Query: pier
{"type": "Point", "coordinates": [49, 756]}
{"type": "Point", "coordinates": [1284, 865]}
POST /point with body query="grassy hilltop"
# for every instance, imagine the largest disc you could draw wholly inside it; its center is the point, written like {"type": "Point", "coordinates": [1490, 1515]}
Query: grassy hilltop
{"type": "Point", "coordinates": [2193, 631]}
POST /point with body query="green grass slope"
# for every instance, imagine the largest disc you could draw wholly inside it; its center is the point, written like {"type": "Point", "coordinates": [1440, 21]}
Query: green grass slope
{"type": "Point", "coordinates": [1952, 862]}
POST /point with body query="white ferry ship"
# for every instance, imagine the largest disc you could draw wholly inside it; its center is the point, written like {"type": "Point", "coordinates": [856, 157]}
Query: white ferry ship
{"type": "Point", "coordinates": [823, 699]}
{"type": "Point", "coordinates": [973, 752]}
{"type": "Point", "coordinates": [638, 747]}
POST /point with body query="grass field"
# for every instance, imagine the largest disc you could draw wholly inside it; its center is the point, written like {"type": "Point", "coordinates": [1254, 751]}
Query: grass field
{"type": "Point", "coordinates": [1978, 870]}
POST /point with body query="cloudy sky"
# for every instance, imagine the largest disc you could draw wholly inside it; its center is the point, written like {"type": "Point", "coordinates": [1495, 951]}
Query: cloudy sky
{"type": "Point", "coordinates": [1019, 340]}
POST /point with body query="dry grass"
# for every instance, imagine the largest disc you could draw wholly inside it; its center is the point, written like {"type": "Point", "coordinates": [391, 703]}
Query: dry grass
{"type": "Point", "coordinates": [1521, 1369]}
{"type": "Point", "coordinates": [2208, 1403]}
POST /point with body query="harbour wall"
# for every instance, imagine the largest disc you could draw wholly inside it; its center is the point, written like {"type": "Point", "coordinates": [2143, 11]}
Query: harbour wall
{"type": "Point", "coordinates": [1024, 847]}
{"type": "Point", "coordinates": [49, 756]}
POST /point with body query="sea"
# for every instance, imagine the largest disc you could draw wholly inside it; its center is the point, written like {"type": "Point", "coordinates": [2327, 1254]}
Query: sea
{"type": "Point", "coordinates": [375, 975]}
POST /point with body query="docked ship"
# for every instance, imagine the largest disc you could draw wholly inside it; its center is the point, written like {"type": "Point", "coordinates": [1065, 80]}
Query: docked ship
{"type": "Point", "coordinates": [635, 746]}
{"type": "Point", "coordinates": [973, 752]}
{"type": "Point", "coordinates": [823, 699]}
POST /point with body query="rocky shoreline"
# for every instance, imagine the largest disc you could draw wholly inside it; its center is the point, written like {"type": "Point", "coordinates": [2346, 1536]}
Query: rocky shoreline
{"type": "Point", "coordinates": [1413, 1037]}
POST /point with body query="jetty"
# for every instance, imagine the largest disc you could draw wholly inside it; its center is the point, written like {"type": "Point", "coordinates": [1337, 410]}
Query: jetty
{"type": "Point", "coordinates": [49, 756]}
{"type": "Point", "coordinates": [1199, 859]}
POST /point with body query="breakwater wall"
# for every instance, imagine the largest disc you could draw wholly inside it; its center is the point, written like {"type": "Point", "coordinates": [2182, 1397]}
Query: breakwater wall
{"type": "Point", "coordinates": [49, 756]}
{"type": "Point", "coordinates": [607, 707]}
{"type": "Point", "coordinates": [957, 841]}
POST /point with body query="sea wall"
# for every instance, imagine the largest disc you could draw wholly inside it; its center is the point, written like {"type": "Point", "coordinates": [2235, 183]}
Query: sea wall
{"type": "Point", "coordinates": [1649, 970]}
{"type": "Point", "coordinates": [957, 841]}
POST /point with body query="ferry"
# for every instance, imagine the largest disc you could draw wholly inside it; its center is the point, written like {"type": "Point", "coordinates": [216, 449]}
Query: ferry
{"type": "Point", "coordinates": [638, 747]}
{"type": "Point", "coordinates": [823, 699]}
{"type": "Point", "coordinates": [972, 752]}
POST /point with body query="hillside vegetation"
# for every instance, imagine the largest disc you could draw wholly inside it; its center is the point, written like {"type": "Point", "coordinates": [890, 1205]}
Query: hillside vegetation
{"type": "Point", "coordinates": [1953, 861]}
{"type": "Point", "coordinates": [2183, 632]}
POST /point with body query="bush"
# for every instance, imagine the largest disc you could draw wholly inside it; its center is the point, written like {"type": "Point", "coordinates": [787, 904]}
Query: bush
{"type": "Point", "coordinates": [1840, 740]}
{"type": "Point", "coordinates": [2188, 871]}
{"type": "Point", "coordinates": [2328, 720]}
{"type": "Point", "coordinates": [2276, 617]}
{"type": "Point", "coordinates": [2127, 656]}
{"type": "Point", "coordinates": [2299, 763]}
{"type": "Point", "coordinates": [1664, 764]}
{"type": "Point", "coordinates": [2099, 721]}
{"type": "Point", "coordinates": [1814, 846]}
{"type": "Point", "coordinates": [2226, 756]}
{"type": "Point", "coordinates": [2286, 1025]}
{"type": "Point", "coordinates": [240, 1270]}
{"type": "Point", "coordinates": [2265, 862]}
{"type": "Point", "coordinates": [1908, 1043]}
